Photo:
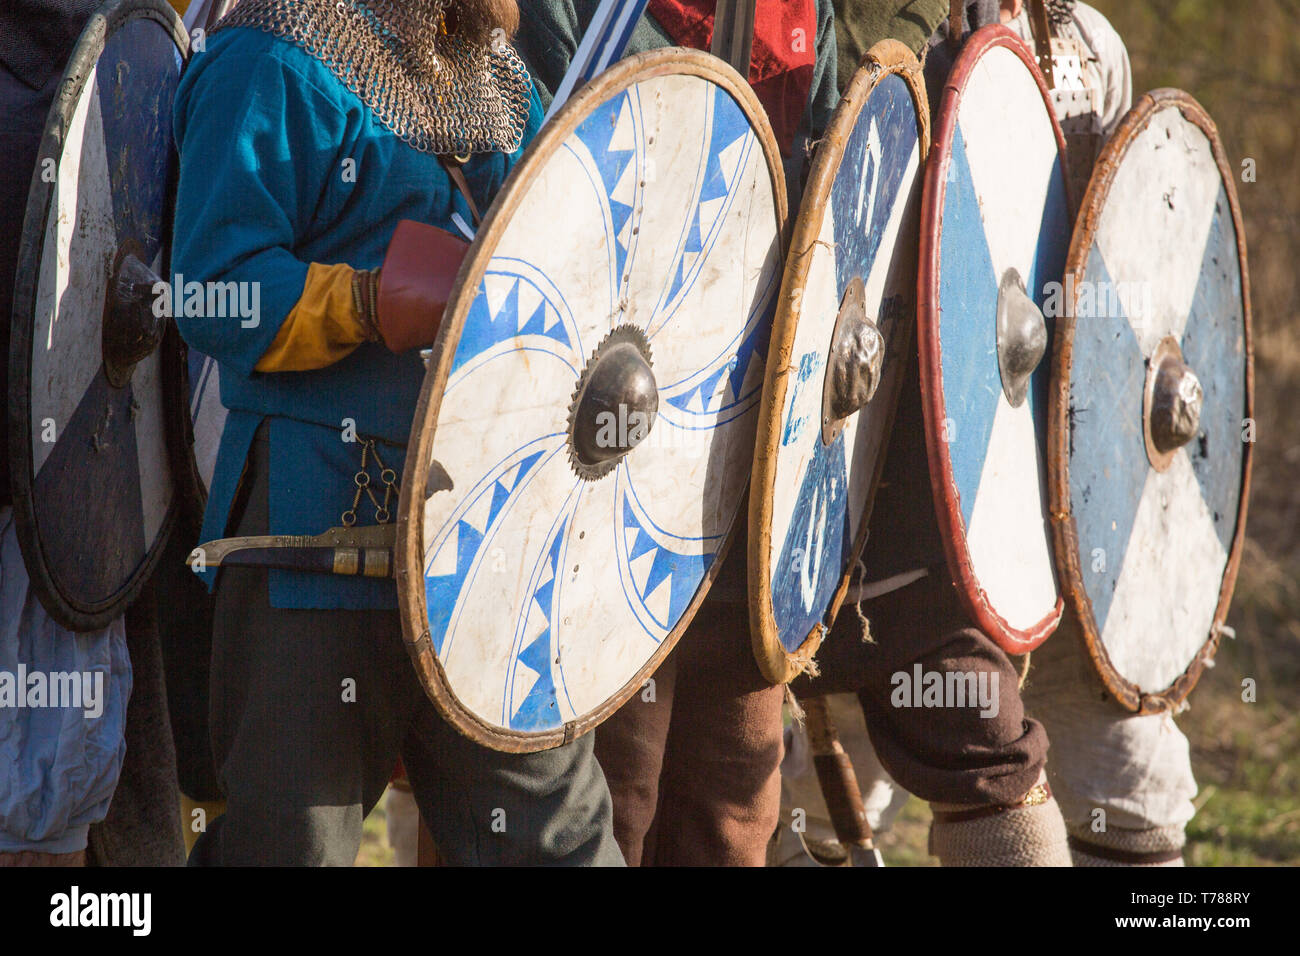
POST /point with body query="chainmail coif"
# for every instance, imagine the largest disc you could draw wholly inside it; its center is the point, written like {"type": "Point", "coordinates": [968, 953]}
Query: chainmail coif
{"type": "Point", "coordinates": [440, 93]}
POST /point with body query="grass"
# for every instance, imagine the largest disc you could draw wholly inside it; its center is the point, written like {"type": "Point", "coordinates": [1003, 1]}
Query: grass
{"type": "Point", "coordinates": [905, 842]}
{"type": "Point", "coordinates": [375, 850]}
{"type": "Point", "coordinates": [1247, 755]}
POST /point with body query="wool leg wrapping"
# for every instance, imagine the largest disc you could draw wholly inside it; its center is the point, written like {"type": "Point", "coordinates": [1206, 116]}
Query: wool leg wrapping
{"type": "Point", "coordinates": [1124, 781]}
{"type": "Point", "coordinates": [1118, 846]}
{"type": "Point", "coordinates": [1025, 836]}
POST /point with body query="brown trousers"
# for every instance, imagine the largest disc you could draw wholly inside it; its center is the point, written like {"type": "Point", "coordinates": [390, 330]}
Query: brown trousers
{"type": "Point", "coordinates": [693, 761]}
{"type": "Point", "coordinates": [942, 754]}
{"type": "Point", "coordinates": [694, 767]}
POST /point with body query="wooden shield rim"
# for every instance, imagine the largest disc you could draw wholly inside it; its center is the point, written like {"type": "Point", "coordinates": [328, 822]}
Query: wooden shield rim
{"type": "Point", "coordinates": [1064, 527]}
{"type": "Point", "coordinates": [887, 58]}
{"type": "Point", "coordinates": [410, 524]}
{"type": "Point", "coordinates": [72, 614]}
{"type": "Point", "coordinates": [943, 487]}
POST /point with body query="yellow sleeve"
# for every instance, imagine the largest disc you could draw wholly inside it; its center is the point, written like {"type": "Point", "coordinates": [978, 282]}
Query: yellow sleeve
{"type": "Point", "coordinates": [322, 327]}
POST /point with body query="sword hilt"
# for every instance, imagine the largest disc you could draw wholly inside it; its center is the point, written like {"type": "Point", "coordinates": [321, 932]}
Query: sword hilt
{"type": "Point", "coordinates": [733, 33]}
{"type": "Point", "coordinates": [347, 552]}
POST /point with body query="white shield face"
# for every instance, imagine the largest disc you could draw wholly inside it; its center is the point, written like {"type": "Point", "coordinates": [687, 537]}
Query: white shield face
{"type": "Point", "coordinates": [94, 489]}
{"type": "Point", "coordinates": [1003, 208]}
{"type": "Point", "coordinates": [547, 592]}
{"type": "Point", "coordinates": [1162, 264]}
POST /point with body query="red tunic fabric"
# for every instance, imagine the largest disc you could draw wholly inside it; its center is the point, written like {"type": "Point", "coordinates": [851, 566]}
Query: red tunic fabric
{"type": "Point", "coordinates": [785, 52]}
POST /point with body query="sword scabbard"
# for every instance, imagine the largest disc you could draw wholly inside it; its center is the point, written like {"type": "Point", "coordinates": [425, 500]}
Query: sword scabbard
{"type": "Point", "coordinates": [346, 552]}
{"type": "Point", "coordinates": [839, 784]}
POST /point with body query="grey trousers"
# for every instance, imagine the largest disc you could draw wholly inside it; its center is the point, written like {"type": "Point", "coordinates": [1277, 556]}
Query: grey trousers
{"type": "Point", "coordinates": [143, 826]}
{"type": "Point", "coordinates": [310, 710]}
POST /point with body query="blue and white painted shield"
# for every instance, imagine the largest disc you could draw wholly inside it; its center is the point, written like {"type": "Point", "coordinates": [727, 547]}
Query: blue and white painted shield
{"type": "Point", "coordinates": [1152, 426]}
{"type": "Point", "coordinates": [637, 242]}
{"type": "Point", "coordinates": [845, 323]}
{"type": "Point", "coordinates": [93, 486]}
{"type": "Point", "coordinates": [995, 229]}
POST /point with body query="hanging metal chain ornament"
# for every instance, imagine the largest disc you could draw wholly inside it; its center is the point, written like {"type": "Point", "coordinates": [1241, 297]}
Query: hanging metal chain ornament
{"type": "Point", "coordinates": [347, 550]}
{"type": "Point", "coordinates": [383, 512]}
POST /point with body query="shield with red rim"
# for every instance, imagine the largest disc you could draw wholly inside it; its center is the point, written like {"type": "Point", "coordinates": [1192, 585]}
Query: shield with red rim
{"type": "Point", "coordinates": [995, 228]}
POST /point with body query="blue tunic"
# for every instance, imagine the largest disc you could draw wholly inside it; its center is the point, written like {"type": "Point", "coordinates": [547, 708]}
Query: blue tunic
{"type": "Point", "coordinates": [281, 166]}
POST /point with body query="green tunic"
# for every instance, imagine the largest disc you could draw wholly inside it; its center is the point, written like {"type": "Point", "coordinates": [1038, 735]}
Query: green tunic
{"type": "Point", "coordinates": [860, 24]}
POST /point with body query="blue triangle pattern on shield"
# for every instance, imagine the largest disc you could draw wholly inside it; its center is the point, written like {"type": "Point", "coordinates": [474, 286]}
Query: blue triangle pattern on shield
{"type": "Point", "coordinates": [706, 398]}
{"type": "Point", "coordinates": [451, 564]}
{"type": "Point", "coordinates": [750, 357]}
{"type": "Point", "coordinates": [540, 709]}
{"type": "Point", "coordinates": [534, 640]}
{"type": "Point", "coordinates": [729, 140]}
{"type": "Point", "coordinates": [663, 581]}
{"type": "Point", "coordinates": [610, 135]}
{"type": "Point", "coordinates": [508, 306]}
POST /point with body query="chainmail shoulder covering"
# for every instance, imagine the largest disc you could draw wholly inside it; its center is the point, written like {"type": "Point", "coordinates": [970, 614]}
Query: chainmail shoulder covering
{"type": "Point", "coordinates": [1060, 12]}
{"type": "Point", "coordinates": [439, 93]}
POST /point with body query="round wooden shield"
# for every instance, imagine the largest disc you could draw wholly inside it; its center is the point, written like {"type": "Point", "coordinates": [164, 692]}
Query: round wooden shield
{"type": "Point", "coordinates": [93, 489]}
{"type": "Point", "coordinates": [1155, 330]}
{"type": "Point", "coordinates": [618, 296]}
{"type": "Point", "coordinates": [995, 228]}
{"type": "Point", "coordinates": [840, 341]}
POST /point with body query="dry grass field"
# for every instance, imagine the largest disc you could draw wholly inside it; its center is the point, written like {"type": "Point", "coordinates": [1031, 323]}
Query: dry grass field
{"type": "Point", "coordinates": [1242, 61]}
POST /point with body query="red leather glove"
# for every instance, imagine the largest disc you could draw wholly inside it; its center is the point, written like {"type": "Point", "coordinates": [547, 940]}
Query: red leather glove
{"type": "Point", "coordinates": [415, 283]}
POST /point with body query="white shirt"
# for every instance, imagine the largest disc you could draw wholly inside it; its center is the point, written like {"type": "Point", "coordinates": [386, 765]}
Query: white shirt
{"type": "Point", "coordinates": [1108, 68]}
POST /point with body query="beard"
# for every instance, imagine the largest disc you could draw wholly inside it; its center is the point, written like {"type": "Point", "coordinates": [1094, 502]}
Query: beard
{"type": "Point", "coordinates": [477, 20]}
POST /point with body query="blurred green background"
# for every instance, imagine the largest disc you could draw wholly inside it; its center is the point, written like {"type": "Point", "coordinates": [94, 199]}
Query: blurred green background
{"type": "Point", "coordinates": [1241, 60]}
